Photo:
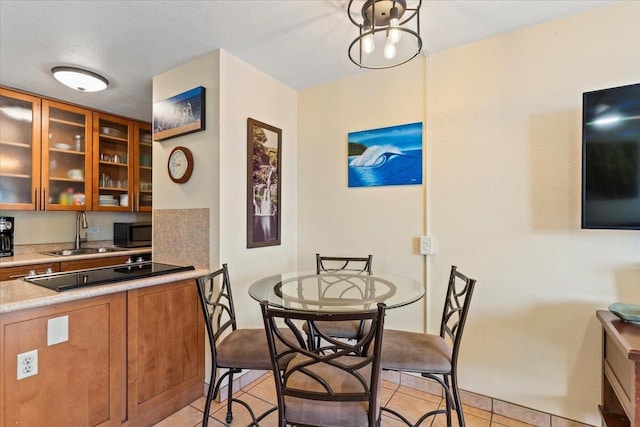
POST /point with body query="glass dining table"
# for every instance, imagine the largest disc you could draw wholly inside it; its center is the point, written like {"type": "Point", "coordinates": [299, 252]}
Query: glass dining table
{"type": "Point", "coordinates": [336, 291]}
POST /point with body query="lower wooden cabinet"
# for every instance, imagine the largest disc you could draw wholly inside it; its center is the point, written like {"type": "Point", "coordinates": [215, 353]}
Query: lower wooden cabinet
{"type": "Point", "coordinates": [80, 382]}
{"type": "Point", "coordinates": [620, 406]}
{"type": "Point", "coordinates": [132, 358]}
{"type": "Point", "coordinates": [166, 350]}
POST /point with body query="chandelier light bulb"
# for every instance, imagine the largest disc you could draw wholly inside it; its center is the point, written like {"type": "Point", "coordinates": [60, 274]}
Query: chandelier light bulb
{"type": "Point", "coordinates": [389, 48]}
{"type": "Point", "coordinates": [368, 45]}
{"type": "Point", "coordinates": [394, 23]}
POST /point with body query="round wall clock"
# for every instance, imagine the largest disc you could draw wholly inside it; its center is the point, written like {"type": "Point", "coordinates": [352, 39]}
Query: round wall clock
{"type": "Point", "coordinates": [180, 165]}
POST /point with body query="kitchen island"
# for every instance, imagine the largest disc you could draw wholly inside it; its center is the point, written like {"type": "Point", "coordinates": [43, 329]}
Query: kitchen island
{"type": "Point", "coordinates": [129, 353]}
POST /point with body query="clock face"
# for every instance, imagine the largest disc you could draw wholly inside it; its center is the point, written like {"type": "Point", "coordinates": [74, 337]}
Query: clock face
{"type": "Point", "coordinates": [180, 164]}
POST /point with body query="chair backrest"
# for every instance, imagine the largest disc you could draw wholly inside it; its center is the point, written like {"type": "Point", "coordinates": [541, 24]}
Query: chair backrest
{"type": "Point", "coordinates": [333, 263]}
{"type": "Point", "coordinates": [339, 371]}
{"type": "Point", "coordinates": [456, 308]}
{"type": "Point", "coordinates": [216, 300]}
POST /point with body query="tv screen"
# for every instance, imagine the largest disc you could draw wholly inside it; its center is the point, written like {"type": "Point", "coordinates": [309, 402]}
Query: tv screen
{"type": "Point", "coordinates": [611, 158]}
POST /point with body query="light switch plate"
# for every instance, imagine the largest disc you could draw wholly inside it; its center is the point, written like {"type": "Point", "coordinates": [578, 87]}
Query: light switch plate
{"type": "Point", "coordinates": [426, 246]}
{"type": "Point", "coordinates": [57, 330]}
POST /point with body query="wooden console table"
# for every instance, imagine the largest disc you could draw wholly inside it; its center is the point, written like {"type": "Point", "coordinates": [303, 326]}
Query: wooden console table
{"type": "Point", "coordinates": [620, 371]}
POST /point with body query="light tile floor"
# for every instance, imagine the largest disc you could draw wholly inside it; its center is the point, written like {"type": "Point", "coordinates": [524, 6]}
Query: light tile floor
{"type": "Point", "coordinates": [260, 395]}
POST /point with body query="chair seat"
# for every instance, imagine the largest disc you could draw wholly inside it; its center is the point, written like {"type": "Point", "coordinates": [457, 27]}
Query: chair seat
{"type": "Point", "coordinates": [246, 348]}
{"type": "Point", "coordinates": [349, 329]}
{"type": "Point", "coordinates": [415, 352]}
{"type": "Point", "coordinates": [327, 413]}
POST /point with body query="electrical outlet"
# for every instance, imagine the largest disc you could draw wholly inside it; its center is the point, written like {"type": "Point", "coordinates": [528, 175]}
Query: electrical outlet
{"type": "Point", "coordinates": [94, 230]}
{"type": "Point", "coordinates": [27, 364]}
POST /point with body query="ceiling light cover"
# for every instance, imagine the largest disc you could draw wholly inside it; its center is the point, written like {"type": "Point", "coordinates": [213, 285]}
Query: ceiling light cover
{"type": "Point", "coordinates": [392, 27]}
{"type": "Point", "coordinates": [79, 79]}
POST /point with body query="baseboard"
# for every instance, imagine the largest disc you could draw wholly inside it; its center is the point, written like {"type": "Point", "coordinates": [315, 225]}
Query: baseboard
{"type": "Point", "coordinates": [496, 406]}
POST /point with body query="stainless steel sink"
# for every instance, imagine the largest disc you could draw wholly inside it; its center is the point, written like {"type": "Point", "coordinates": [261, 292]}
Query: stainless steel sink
{"type": "Point", "coordinates": [83, 251]}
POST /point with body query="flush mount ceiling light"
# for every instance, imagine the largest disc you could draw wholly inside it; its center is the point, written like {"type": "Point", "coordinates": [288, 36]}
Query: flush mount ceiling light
{"type": "Point", "coordinates": [79, 79]}
{"type": "Point", "coordinates": [389, 32]}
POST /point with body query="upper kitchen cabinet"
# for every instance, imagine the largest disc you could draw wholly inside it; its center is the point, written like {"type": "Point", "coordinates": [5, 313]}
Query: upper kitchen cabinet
{"type": "Point", "coordinates": [62, 157]}
{"type": "Point", "coordinates": [19, 151]}
{"type": "Point", "coordinates": [143, 158]}
{"type": "Point", "coordinates": [66, 157]}
{"type": "Point", "coordinates": [113, 158]}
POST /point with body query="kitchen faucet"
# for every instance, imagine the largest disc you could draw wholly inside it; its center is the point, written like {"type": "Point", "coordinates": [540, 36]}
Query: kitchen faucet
{"type": "Point", "coordinates": [81, 221]}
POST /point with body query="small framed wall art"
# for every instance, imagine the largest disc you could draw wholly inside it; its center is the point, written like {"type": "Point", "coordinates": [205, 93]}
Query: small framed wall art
{"type": "Point", "coordinates": [264, 174]}
{"type": "Point", "coordinates": [179, 115]}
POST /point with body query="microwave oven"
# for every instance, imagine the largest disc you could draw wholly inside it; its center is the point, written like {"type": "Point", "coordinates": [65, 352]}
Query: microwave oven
{"type": "Point", "coordinates": [132, 234]}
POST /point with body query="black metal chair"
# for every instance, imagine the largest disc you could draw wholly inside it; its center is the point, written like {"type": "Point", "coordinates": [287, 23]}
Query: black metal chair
{"type": "Point", "coordinates": [231, 348]}
{"type": "Point", "coordinates": [332, 263]}
{"type": "Point", "coordinates": [434, 356]}
{"type": "Point", "coordinates": [339, 384]}
{"type": "Point", "coordinates": [347, 330]}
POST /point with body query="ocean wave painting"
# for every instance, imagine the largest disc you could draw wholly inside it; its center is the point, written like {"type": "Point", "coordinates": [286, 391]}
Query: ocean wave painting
{"type": "Point", "coordinates": [385, 156]}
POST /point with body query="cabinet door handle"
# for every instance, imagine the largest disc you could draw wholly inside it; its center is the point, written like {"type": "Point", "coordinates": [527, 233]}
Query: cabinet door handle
{"type": "Point", "coordinates": [44, 199]}
{"type": "Point", "coordinates": [36, 199]}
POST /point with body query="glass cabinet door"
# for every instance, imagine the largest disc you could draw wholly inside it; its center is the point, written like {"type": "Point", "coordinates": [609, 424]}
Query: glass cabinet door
{"type": "Point", "coordinates": [144, 155]}
{"type": "Point", "coordinates": [19, 151]}
{"type": "Point", "coordinates": [113, 176]}
{"type": "Point", "coordinates": [66, 156]}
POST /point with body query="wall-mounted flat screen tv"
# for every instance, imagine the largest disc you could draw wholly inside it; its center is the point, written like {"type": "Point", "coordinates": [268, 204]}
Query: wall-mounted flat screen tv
{"type": "Point", "coordinates": [611, 158]}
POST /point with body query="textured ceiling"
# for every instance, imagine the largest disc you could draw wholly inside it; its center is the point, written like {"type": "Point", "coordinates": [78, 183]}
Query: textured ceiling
{"type": "Point", "coordinates": [301, 43]}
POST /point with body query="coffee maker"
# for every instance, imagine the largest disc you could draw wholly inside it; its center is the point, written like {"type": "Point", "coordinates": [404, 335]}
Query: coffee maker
{"type": "Point", "coordinates": [6, 236]}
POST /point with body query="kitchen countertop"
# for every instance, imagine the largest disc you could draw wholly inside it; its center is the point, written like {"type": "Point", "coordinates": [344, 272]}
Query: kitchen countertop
{"type": "Point", "coordinates": [40, 258]}
{"type": "Point", "coordinates": [18, 295]}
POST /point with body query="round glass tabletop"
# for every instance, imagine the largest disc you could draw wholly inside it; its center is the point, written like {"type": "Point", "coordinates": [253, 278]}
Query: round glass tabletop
{"type": "Point", "coordinates": [336, 291]}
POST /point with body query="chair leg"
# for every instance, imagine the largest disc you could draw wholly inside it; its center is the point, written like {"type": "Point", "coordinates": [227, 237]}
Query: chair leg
{"type": "Point", "coordinates": [443, 380]}
{"type": "Point", "coordinates": [210, 395]}
{"type": "Point", "coordinates": [229, 399]}
{"type": "Point", "coordinates": [456, 397]}
{"type": "Point", "coordinates": [310, 337]}
{"type": "Point", "coordinates": [449, 399]}
{"type": "Point", "coordinates": [313, 338]}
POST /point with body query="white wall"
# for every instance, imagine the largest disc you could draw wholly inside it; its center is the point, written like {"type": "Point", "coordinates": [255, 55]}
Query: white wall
{"type": "Point", "coordinates": [504, 205]}
{"type": "Point", "coordinates": [337, 220]}
{"type": "Point", "coordinates": [235, 91]}
{"type": "Point", "coordinates": [247, 92]}
{"type": "Point", "coordinates": [202, 189]}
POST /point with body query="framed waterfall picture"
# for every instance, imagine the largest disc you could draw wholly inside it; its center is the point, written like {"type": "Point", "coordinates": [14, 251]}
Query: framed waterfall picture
{"type": "Point", "coordinates": [264, 159]}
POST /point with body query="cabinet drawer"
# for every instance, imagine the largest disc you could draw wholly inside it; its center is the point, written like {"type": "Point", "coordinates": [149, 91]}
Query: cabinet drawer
{"type": "Point", "coordinates": [621, 369]}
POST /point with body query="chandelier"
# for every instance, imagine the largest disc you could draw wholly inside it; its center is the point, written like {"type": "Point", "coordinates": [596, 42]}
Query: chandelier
{"type": "Point", "coordinates": [389, 32]}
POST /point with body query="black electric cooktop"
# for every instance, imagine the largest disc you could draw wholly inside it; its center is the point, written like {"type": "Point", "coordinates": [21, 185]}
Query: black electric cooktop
{"type": "Point", "coordinates": [106, 275]}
